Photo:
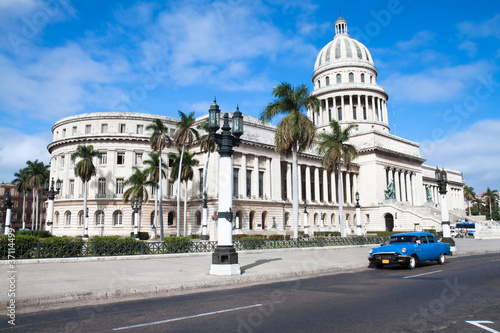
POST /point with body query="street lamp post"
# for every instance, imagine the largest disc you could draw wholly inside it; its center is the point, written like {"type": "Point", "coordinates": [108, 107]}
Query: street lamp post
{"type": "Point", "coordinates": [8, 205]}
{"type": "Point", "coordinates": [51, 194]}
{"type": "Point", "coordinates": [359, 229]}
{"type": "Point", "coordinates": [204, 228]}
{"type": "Point", "coordinates": [306, 224]}
{"type": "Point", "coordinates": [225, 257]}
{"type": "Point", "coordinates": [136, 204]}
{"type": "Point", "coordinates": [442, 181]}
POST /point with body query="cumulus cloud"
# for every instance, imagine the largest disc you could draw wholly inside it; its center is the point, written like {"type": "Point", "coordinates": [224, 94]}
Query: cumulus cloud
{"type": "Point", "coordinates": [488, 28]}
{"type": "Point", "coordinates": [474, 151]}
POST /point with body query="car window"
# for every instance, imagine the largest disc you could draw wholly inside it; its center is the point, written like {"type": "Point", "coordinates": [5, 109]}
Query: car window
{"type": "Point", "coordinates": [431, 239]}
{"type": "Point", "coordinates": [423, 239]}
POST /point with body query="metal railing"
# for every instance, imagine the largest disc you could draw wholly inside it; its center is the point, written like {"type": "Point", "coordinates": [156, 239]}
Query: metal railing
{"type": "Point", "coordinates": [33, 250]}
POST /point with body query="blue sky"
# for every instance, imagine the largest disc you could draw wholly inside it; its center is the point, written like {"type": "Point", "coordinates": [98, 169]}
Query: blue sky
{"type": "Point", "coordinates": [439, 63]}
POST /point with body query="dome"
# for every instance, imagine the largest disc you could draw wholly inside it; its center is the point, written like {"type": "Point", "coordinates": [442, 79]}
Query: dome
{"type": "Point", "coordinates": [343, 51]}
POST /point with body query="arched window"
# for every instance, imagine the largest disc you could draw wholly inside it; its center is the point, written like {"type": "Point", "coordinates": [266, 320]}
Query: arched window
{"type": "Point", "coordinates": [319, 84]}
{"type": "Point", "coordinates": [117, 218]}
{"type": "Point", "coordinates": [152, 218]}
{"type": "Point", "coordinates": [238, 221]}
{"type": "Point", "coordinates": [327, 80]}
{"type": "Point", "coordinates": [67, 217]}
{"type": "Point", "coordinates": [81, 218]}
{"type": "Point", "coordinates": [351, 77]}
{"type": "Point", "coordinates": [197, 216]}
{"type": "Point", "coordinates": [332, 219]}
{"type": "Point", "coordinates": [56, 218]}
{"type": "Point", "coordinates": [99, 218]}
{"type": "Point", "coordinates": [315, 218]}
{"type": "Point", "coordinates": [264, 220]}
{"type": "Point", "coordinates": [251, 220]}
{"type": "Point", "coordinates": [371, 79]}
{"type": "Point", "coordinates": [339, 78]}
{"type": "Point", "coordinates": [287, 218]}
{"type": "Point", "coordinates": [362, 77]}
{"type": "Point", "coordinates": [170, 218]}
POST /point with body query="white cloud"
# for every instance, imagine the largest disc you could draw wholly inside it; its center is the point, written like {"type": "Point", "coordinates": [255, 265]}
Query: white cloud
{"type": "Point", "coordinates": [474, 151]}
{"type": "Point", "coordinates": [17, 148]}
{"type": "Point", "coordinates": [470, 47]}
{"type": "Point", "coordinates": [487, 28]}
{"type": "Point", "coordinates": [418, 41]}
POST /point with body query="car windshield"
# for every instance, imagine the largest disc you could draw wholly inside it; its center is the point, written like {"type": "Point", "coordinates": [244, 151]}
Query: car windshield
{"type": "Point", "coordinates": [403, 239]}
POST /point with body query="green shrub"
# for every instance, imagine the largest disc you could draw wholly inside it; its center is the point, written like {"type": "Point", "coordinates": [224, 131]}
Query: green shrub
{"type": "Point", "coordinates": [385, 233]}
{"type": "Point", "coordinates": [176, 244]}
{"type": "Point", "coordinates": [194, 236]}
{"type": "Point", "coordinates": [143, 235]}
{"type": "Point", "coordinates": [35, 233]}
{"type": "Point", "coordinates": [252, 242]}
{"type": "Point", "coordinates": [60, 247]}
{"type": "Point", "coordinates": [278, 237]}
{"type": "Point", "coordinates": [115, 245]}
{"type": "Point", "coordinates": [326, 234]}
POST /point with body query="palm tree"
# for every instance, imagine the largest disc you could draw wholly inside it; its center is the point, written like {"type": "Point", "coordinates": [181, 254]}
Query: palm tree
{"type": "Point", "coordinates": [469, 195]}
{"type": "Point", "coordinates": [184, 136]}
{"type": "Point", "coordinates": [295, 131]}
{"type": "Point", "coordinates": [490, 197]}
{"type": "Point", "coordinates": [336, 153]}
{"type": "Point", "coordinates": [187, 172]}
{"type": "Point", "coordinates": [37, 172]}
{"type": "Point", "coordinates": [138, 182]}
{"type": "Point", "coordinates": [85, 169]}
{"type": "Point", "coordinates": [159, 140]}
{"type": "Point", "coordinates": [207, 145]}
{"type": "Point", "coordinates": [155, 172]}
{"type": "Point", "coordinates": [22, 186]}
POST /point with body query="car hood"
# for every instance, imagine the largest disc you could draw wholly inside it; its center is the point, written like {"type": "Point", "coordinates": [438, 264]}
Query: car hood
{"type": "Point", "coordinates": [392, 248]}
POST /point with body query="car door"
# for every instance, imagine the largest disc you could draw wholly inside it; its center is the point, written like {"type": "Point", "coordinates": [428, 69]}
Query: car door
{"type": "Point", "coordinates": [434, 248]}
{"type": "Point", "coordinates": [424, 249]}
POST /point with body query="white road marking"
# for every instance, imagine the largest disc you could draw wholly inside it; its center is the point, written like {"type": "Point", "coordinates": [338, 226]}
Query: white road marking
{"type": "Point", "coordinates": [186, 317]}
{"type": "Point", "coordinates": [412, 276]}
{"type": "Point", "coordinates": [479, 322]}
{"type": "Point", "coordinates": [496, 260]}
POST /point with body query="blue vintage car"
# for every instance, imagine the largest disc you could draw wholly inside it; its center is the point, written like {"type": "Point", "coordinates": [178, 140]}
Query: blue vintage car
{"type": "Point", "coordinates": [408, 249]}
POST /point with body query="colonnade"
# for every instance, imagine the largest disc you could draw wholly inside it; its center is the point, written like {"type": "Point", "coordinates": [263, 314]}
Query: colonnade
{"type": "Point", "coordinates": [404, 184]}
{"type": "Point", "coordinates": [350, 107]}
{"type": "Point", "coordinates": [453, 194]}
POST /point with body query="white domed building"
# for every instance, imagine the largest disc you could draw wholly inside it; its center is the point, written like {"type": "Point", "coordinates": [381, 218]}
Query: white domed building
{"type": "Point", "coordinates": [345, 82]}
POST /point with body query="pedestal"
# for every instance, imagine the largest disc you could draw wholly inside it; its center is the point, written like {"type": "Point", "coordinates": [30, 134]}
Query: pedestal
{"type": "Point", "coordinates": [225, 261]}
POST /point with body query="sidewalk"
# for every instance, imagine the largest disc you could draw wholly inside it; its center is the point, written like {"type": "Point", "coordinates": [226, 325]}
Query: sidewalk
{"type": "Point", "coordinates": [50, 283]}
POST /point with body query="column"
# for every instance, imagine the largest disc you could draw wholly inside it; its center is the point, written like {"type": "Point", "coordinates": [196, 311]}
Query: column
{"type": "Point", "coordinates": [325, 185]}
{"type": "Point", "coordinates": [308, 183]}
{"type": "Point", "coordinates": [243, 176]}
{"type": "Point", "coordinates": [255, 177]}
{"type": "Point", "coordinates": [299, 181]}
{"type": "Point", "coordinates": [396, 184]}
{"type": "Point", "coordinates": [316, 185]}
{"type": "Point", "coordinates": [348, 189]}
{"type": "Point", "coordinates": [333, 185]}
{"type": "Point", "coordinates": [403, 185]}
{"type": "Point", "coordinates": [413, 189]}
{"type": "Point", "coordinates": [367, 109]}
{"type": "Point", "coordinates": [355, 183]}
{"type": "Point", "coordinates": [334, 109]}
{"type": "Point", "coordinates": [351, 113]}
{"type": "Point", "coordinates": [267, 179]}
{"type": "Point", "coordinates": [289, 181]}
{"type": "Point", "coordinates": [342, 106]}
{"type": "Point", "coordinates": [380, 114]}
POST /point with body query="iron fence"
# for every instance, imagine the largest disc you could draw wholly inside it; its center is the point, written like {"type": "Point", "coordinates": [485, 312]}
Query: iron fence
{"type": "Point", "coordinates": [31, 250]}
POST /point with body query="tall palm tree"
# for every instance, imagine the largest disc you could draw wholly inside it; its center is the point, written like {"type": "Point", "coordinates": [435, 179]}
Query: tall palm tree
{"type": "Point", "coordinates": [22, 186]}
{"type": "Point", "coordinates": [295, 131]}
{"type": "Point", "coordinates": [85, 169]}
{"type": "Point", "coordinates": [138, 182]}
{"type": "Point", "coordinates": [159, 140]}
{"type": "Point", "coordinates": [187, 164]}
{"type": "Point", "coordinates": [37, 173]}
{"type": "Point", "coordinates": [336, 153]}
{"type": "Point", "coordinates": [155, 172]}
{"type": "Point", "coordinates": [184, 137]}
{"type": "Point", "coordinates": [469, 195]}
{"type": "Point", "coordinates": [208, 146]}
{"type": "Point", "coordinates": [490, 197]}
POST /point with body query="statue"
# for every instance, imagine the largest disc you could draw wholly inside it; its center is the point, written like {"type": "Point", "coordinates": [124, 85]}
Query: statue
{"type": "Point", "coordinates": [429, 194]}
{"type": "Point", "coordinates": [389, 193]}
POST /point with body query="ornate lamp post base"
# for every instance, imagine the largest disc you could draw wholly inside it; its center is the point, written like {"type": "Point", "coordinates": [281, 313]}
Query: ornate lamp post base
{"type": "Point", "coordinates": [225, 261]}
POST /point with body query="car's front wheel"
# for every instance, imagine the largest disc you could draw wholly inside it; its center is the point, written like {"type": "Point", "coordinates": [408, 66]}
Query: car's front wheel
{"type": "Point", "coordinates": [441, 259]}
{"type": "Point", "coordinates": [413, 263]}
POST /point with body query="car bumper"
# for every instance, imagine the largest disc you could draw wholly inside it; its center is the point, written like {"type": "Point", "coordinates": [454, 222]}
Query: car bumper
{"type": "Point", "coordinates": [388, 259]}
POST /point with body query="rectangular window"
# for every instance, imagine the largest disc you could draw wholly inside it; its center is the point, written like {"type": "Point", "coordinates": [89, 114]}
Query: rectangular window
{"type": "Point", "coordinates": [71, 187]}
{"type": "Point", "coordinates": [122, 128]}
{"type": "Point", "coordinates": [62, 162]}
{"type": "Point", "coordinates": [200, 186]}
{"type": "Point", "coordinates": [249, 183]}
{"type": "Point", "coordinates": [138, 158]}
{"type": "Point", "coordinates": [104, 128]}
{"type": "Point", "coordinates": [120, 158]}
{"type": "Point", "coordinates": [140, 129]}
{"type": "Point", "coordinates": [354, 115]}
{"type": "Point", "coordinates": [119, 185]}
{"type": "Point", "coordinates": [64, 133]}
{"type": "Point", "coordinates": [170, 189]}
{"type": "Point", "coordinates": [88, 129]}
{"type": "Point", "coordinates": [329, 115]}
{"type": "Point", "coordinates": [103, 159]}
{"type": "Point", "coordinates": [73, 131]}
{"type": "Point", "coordinates": [339, 111]}
{"type": "Point", "coordinates": [235, 182]}
{"type": "Point", "coordinates": [101, 186]}
{"type": "Point", "coordinates": [261, 184]}
{"type": "Point", "coordinates": [364, 112]}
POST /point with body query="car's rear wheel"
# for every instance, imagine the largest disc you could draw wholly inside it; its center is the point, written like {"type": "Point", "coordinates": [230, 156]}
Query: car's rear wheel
{"type": "Point", "coordinates": [413, 263]}
{"type": "Point", "coordinates": [441, 259]}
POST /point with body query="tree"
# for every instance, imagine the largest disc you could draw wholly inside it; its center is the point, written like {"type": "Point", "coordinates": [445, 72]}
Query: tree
{"type": "Point", "coordinates": [207, 146]}
{"type": "Point", "coordinates": [37, 172]}
{"type": "Point", "coordinates": [490, 197]}
{"type": "Point", "coordinates": [138, 182]}
{"type": "Point", "coordinates": [469, 195]}
{"type": "Point", "coordinates": [85, 169]}
{"type": "Point", "coordinates": [154, 173]}
{"type": "Point", "coordinates": [22, 186]}
{"type": "Point", "coordinates": [336, 153]}
{"type": "Point", "coordinates": [184, 137]}
{"type": "Point", "coordinates": [295, 131]}
{"type": "Point", "coordinates": [159, 140]}
{"type": "Point", "coordinates": [187, 163]}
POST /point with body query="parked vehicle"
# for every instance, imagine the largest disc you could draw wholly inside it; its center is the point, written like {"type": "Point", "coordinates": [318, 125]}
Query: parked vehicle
{"type": "Point", "coordinates": [408, 249]}
{"type": "Point", "coordinates": [465, 229]}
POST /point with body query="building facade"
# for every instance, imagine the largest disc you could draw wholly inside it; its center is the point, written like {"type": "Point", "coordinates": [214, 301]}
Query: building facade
{"type": "Point", "coordinates": [397, 191]}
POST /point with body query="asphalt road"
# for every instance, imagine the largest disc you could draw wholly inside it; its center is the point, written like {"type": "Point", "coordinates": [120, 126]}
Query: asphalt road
{"type": "Point", "coordinates": [461, 296]}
